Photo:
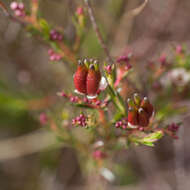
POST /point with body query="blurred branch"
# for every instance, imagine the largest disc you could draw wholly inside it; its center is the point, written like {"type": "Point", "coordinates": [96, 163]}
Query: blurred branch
{"type": "Point", "coordinates": [138, 10]}
{"type": "Point", "coordinates": [97, 30]}
{"type": "Point", "coordinates": [155, 31]}
{"type": "Point", "coordinates": [123, 29]}
{"type": "Point", "coordinates": [28, 144]}
{"type": "Point", "coordinates": [179, 151]}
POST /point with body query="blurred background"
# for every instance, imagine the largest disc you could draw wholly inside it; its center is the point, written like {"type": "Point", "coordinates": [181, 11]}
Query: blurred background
{"type": "Point", "coordinates": [29, 156]}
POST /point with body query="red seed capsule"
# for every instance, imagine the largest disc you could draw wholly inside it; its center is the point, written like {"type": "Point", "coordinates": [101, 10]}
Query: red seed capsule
{"type": "Point", "coordinates": [143, 118]}
{"type": "Point", "coordinates": [80, 78]}
{"type": "Point", "coordinates": [132, 118]}
{"type": "Point", "coordinates": [147, 106]}
{"type": "Point", "coordinates": [93, 80]}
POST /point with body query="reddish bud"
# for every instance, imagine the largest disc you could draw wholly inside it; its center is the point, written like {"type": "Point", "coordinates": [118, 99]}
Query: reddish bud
{"type": "Point", "coordinates": [93, 80]}
{"type": "Point", "coordinates": [147, 106]}
{"type": "Point", "coordinates": [132, 118]}
{"type": "Point", "coordinates": [143, 118]}
{"type": "Point", "coordinates": [80, 78]}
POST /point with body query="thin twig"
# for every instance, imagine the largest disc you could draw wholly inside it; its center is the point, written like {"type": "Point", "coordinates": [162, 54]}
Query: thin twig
{"type": "Point", "coordinates": [26, 145]}
{"type": "Point", "coordinates": [3, 7]}
{"type": "Point", "coordinates": [97, 30]}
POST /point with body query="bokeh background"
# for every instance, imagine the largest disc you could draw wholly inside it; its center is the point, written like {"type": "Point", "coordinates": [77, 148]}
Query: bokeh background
{"type": "Point", "coordinates": [29, 156]}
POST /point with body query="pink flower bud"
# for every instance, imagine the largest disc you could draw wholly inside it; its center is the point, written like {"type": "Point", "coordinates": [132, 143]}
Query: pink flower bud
{"type": "Point", "coordinates": [50, 51]}
{"type": "Point", "coordinates": [57, 57]}
{"type": "Point", "coordinates": [80, 120]}
{"type": "Point", "coordinates": [108, 68]}
{"type": "Point", "coordinates": [79, 11]}
{"type": "Point", "coordinates": [43, 118]}
{"type": "Point", "coordinates": [179, 49]}
{"type": "Point", "coordinates": [63, 94]}
{"type": "Point", "coordinates": [18, 13]}
{"type": "Point", "coordinates": [21, 6]}
{"type": "Point", "coordinates": [14, 5]}
{"type": "Point", "coordinates": [52, 58]}
{"type": "Point", "coordinates": [163, 60]}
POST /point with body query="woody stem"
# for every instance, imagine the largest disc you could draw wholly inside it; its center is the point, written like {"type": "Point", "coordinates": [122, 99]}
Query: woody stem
{"type": "Point", "coordinates": [97, 31]}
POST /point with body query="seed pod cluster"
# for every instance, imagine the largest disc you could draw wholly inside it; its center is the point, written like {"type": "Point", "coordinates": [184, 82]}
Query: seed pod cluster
{"type": "Point", "coordinates": [139, 112]}
{"type": "Point", "coordinates": [87, 77]}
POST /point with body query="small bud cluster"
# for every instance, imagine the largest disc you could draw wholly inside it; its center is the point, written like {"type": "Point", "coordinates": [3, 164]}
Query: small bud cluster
{"type": "Point", "coordinates": [94, 103]}
{"type": "Point", "coordinates": [53, 56]}
{"type": "Point", "coordinates": [125, 59]}
{"type": "Point", "coordinates": [18, 9]}
{"type": "Point", "coordinates": [124, 67]}
{"type": "Point", "coordinates": [86, 100]}
{"type": "Point", "coordinates": [173, 127]}
{"type": "Point", "coordinates": [74, 99]}
{"type": "Point", "coordinates": [108, 69]}
{"type": "Point", "coordinates": [139, 112]}
{"type": "Point", "coordinates": [80, 120]}
{"type": "Point", "coordinates": [122, 124]}
{"type": "Point", "coordinates": [55, 35]}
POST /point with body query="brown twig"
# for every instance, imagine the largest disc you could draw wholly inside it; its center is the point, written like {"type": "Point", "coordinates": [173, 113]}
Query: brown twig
{"type": "Point", "coordinates": [67, 52]}
{"type": "Point", "coordinates": [3, 7]}
{"type": "Point", "coordinates": [98, 33]}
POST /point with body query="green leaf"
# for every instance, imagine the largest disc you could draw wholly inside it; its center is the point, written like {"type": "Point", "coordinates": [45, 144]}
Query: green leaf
{"type": "Point", "coordinates": [44, 25]}
{"type": "Point", "coordinates": [153, 136]}
{"type": "Point", "coordinates": [45, 28]}
{"type": "Point", "coordinates": [117, 117]}
{"type": "Point", "coordinates": [148, 144]}
{"type": "Point", "coordinates": [148, 140]}
{"type": "Point", "coordinates": [117, 100]}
